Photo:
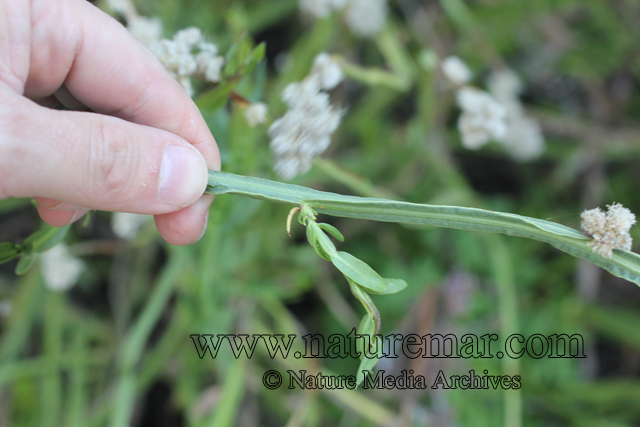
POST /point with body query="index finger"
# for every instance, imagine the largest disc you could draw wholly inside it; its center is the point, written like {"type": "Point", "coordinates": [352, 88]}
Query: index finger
{"type": "Point", "coordinates": [108, 70]}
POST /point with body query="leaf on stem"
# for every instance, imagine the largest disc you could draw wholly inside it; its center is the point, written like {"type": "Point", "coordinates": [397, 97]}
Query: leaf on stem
{"type": "Point", "coordinates": [332, 230]}
{"type": "Point", "coordinates": [393, 287]}
{"type": "Point", "coordinates": [359, 272]}
{"type": "Point", "coordinates": [313, 237]}
{"type": "Point", "coordinates": [25, 264]}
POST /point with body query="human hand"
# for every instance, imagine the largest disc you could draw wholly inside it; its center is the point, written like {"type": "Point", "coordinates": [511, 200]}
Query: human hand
{"type": "Point", "coordinates": [144, 148]}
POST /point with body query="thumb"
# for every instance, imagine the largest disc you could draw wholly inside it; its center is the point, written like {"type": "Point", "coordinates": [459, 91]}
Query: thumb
{"type": "Point", "coordinates": [95, 161]}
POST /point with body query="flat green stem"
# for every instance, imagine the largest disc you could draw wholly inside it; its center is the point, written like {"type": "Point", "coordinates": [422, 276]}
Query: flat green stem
{"type": "Point", "coordinates": [624, 264]}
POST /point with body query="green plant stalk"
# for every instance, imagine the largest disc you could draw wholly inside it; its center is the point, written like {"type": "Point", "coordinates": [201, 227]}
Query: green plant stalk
{"type": "Point", "coordinates": [623, 264]}
{"type": "Point", "coordinates": [503, 275]}
{"type": "Point", "coordinates": [75, 412]}
{"type": "Point", "coordinates": [51, 402]}
{"type": "Point", "coordinates": [227, 410]}
{"type": "Point", "coordinates": [26, 308]}
{"type": "Point", "coordinates": [133, 347]}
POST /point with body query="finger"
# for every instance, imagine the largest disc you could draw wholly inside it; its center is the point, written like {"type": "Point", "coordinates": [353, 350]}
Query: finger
{"type": "Point", "coordinates": [187, 225]}
{"type": "Point", "coordinates": [60, 218]}
{"type": "Point", "coordinates": [73, 43]}
{"type": "Point", "coordinates": [109, 164]}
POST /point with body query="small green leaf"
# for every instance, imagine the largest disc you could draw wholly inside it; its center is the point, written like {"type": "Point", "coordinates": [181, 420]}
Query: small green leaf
{"type": "Point", "coordinates": [312, 237]}
{"type": "Point", "coordinates": [359, 272]}
{"type": "Point", "coordinates": [58, 237]}
{"type": "Point", "coordinates": [393, 286]}
{"type": "Point", "coordinates": [325, 243]}
{"type": "Point", "coordinates": [332, 230]}
{"type": "Point", "coordinates": [8, 251]}
{"type": "Point", "coordinates": [367, 364]}
{"type": "Point", "coordinates": [237, 56]}
{"type": "Point", "coordinates": [44, 239]}
{"type": "Point", "coordinates": [25, 264]}
{"type": "Point", "coordinates": [216, 98]}
{"type": "Point", "coordinates": [254, 59]}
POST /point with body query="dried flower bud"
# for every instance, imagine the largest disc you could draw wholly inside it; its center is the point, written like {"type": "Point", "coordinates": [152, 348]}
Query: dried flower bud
{"type": "Point", "coordinates": [609, 231]}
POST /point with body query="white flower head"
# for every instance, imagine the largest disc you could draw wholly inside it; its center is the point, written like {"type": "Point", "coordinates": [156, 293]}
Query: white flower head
{"type": "Point", "coordinates": [60, 270]}
{"type": "Point", "coordinates": [327, 70]}
{"type": "Point", "coordinates": [147, 30]}
{"type": "Point", "coordinates": [209, 65]}
{"type": "Point", "coordinates": [482, 118]}
{"type": "Point", "coordinates": [256, 114]}
{"type": "Point", "coordinates": [127, 225]}
{"type": "Point", "coordinates": [505, 86]}
{"type": "Point", "coordinates": [320, 8]}
{"type": "Point", "coordinates": [455, 70]}
{"type": "Point", "coordinates": [304, 132]}
{"type": "Point", "coordinates": [188, 38]}
{"type": "Point", "coordinates": [524, 139]}
{"type": "Point", "coordinates": [189, 55]}
{"type": "Point", "coordinates": [609, 231]}
{"type": "Point", "coordinates": [365, 18]}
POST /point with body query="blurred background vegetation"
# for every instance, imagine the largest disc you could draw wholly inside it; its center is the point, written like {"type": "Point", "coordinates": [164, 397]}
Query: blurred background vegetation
{"type": "Point", "coordinates": [115, 349]}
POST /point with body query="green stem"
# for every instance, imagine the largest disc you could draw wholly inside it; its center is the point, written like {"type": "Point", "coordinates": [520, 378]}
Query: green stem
{"type": "Point", "coordinates": [502, 266]}
{"type": "Point", "coordinates": [623, 264]}
{"type": "Point", "coordinates": [134, 343]}
{"type": "Point", "coordinates": [368, 304]}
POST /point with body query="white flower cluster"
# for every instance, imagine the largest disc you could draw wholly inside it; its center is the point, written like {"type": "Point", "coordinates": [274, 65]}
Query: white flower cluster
{"type": "Point", "coordinates": [60, 270]}
{"type": "Point", "coordinates": [304, 132]}
{"type": "Point", "coordinates": [609, 231]}
{"type": "Point", "coordinates": [524, 140]}
{"type": "Point", "coordinates": [455, 70]}
{"type": "Point", "coordinates": [364, 18]}
{"type": "Point", "coordinates": [482, 118]}
{"type": "Point", "coordinates": [185, 56]}
{"type": "Point", "coordinates": [499, 116]}
{"type": "Point", "coordinates": [127, 225]}
{"type": "Point", "coordinates": [327, 71]}
{"type": "Point", "coordinates": [189, 55]}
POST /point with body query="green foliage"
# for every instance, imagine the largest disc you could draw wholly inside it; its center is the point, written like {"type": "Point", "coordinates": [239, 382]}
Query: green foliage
{"type": "Point", "coordinates": [102, 353]}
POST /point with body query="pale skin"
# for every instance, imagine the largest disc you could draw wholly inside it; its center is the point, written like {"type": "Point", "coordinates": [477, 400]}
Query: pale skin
{"type": "Point", "coordinates": [142, 146]}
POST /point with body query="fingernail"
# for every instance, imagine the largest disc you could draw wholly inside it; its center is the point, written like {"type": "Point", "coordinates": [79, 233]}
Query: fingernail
{"type": "Point", "coordinates": [183, 176]}
{"type": "Point", "coordinates": [79, 214]}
